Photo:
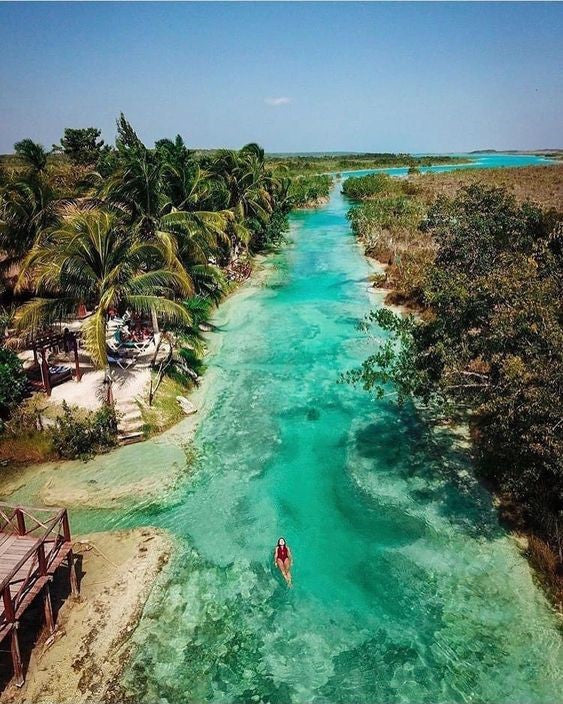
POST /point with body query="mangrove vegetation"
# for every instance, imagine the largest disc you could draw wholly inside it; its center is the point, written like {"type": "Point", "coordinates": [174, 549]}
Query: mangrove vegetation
{"type": "Point", "coordinates": [486, 275]}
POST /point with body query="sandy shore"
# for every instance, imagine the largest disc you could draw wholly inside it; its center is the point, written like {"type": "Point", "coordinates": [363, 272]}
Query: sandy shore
{"type": "Point", "coordinates": [85, 660]}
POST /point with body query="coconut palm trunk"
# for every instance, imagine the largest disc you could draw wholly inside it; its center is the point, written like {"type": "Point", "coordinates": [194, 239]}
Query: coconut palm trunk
{"type": "Point", "coordinates": [154, 319]}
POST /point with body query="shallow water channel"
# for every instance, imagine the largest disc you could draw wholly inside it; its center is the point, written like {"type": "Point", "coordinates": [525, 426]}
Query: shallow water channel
{"type": "Point", "coordinates": [406, 588]}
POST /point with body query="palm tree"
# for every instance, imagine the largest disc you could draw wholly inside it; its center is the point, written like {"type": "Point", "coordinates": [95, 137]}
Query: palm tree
{"type": "Point", "coordinates": [183, 181]}
{"type": "Point", "coordinates": [252, 189]}
{"type": "Point", "coordinates": [136, 189]}
{"type": "Point", "coordinates": [246, 180]}
{"type": "Point", "coordinates": [93, 259]}
{"type": "Point", "coordinates": [32, 154]}
{"type": "Point", "coordinates": [28, 206]}
{"type": "Point", "coordinates": [160, 194]}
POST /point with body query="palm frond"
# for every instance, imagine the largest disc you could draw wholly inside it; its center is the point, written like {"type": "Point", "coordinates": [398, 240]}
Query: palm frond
{"type": "Point", "coordinates": [166, 309]}
{"type": "Point", "coordinates": [38, 312]}
{"type": "Point", "coordinates": [94, 332]}
{"type": "Point", "coordinates": [166, 280]}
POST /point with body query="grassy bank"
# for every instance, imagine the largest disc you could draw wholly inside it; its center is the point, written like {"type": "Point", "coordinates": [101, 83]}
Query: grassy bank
{"type": "Point", "coordinates": [542, 185]}
{"type": "Point", "coordinates": [165, 410]}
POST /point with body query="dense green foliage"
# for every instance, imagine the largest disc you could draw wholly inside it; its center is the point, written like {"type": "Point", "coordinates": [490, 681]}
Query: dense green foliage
{"type": "Point", "coordinates": [12, 380]}
{"type": "Point", "coordinates": [82, 146]}
{"type": "Point", "coordinates": [130, 226]}
{"type": "Point", "coordinates": [386, 212]}
{"type": "Point", "coordinates": [491, 342]}
{"type": "Point", "coordinates": [309, 190]}
{"type": "Point", "coordinates": [80, 438]}
{"type": "Point", "coordinates": [372, 186]}
{"type": "Point", "coordinates": [359, 187]}
{"type": "Point", "coordinates": [159, 231]}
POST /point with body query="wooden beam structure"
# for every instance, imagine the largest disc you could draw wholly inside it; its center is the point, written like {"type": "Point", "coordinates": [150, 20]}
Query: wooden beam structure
{"type": "Point", "coordinates": [34, 543]}
{"type": "Point", "coordinates": [41, 345]}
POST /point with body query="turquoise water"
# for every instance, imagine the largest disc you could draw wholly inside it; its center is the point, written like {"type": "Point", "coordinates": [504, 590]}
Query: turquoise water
{"type": "Point", "coordinates": [474, 161]}
{"type": "Point", "coordinates": [406, 588]}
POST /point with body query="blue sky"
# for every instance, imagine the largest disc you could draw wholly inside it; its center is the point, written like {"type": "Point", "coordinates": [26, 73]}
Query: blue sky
{"type": "Point", "coordinates": [292, 76]}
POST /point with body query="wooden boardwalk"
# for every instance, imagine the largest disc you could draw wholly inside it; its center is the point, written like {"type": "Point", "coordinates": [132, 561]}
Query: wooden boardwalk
{"type": "Point", "coordinates": [34, 543]}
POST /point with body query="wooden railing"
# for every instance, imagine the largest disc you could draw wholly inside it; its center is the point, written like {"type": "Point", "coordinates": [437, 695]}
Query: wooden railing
{"type": "Point", "coordinates": [47, 533]}
{"type": "Point", "coordinates": [50, 534]}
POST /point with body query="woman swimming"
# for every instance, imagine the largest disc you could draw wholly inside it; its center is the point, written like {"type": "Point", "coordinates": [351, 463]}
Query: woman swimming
{"type": "Point", "coordinates": [283, 559]}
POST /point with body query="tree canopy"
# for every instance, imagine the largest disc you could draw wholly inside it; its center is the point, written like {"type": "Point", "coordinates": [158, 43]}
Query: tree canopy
{"type": "Point", "coordinates": [81, 145]}
{"type": "Point", "coordinates": [147, 228]}
{"type": "Point", "coordinates": [490, 342]}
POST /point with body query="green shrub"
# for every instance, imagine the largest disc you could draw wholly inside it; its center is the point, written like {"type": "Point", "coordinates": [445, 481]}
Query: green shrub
{"type": "Point", "coordinates": [80, 438]}
{"type": "Point", "coordinates": [187, 366]}
{"type": "Point", "coordinates": [273, 233]}
{"type": "Point", "coordinates": [306, 190]}
{"type": "Point", "coordinates": [12, 380]}
{"type": "Point", "coordinates": [490, 347]}
{"type": "Point", "coordinates": [386, 212]}
{"type": "Point", "coordinates": [360, 187]}
{"type": "Point", "coordinates": [24, 418]}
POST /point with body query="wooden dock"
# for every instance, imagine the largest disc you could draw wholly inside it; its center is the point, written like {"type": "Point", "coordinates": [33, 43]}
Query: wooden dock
{"type": "Point", "coordinates": [34, 543]}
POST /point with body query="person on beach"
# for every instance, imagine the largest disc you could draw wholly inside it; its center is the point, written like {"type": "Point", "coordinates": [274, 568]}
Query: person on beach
{"type": "Point", "coordinates": [283, 559]}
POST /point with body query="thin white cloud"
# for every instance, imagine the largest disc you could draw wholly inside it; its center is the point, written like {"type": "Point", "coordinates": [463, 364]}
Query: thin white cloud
{"type": "Point", "coordinates": [277, 101]}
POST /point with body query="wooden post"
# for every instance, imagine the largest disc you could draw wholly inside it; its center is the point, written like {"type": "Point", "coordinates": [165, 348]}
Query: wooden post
{"type": "Point", "coordinates": [47, 604]}
{"type": "Point", "coordinates": [10, 616]}
{"type": "Point", "coordinates": [45, 376]}
{"type": "Point", "coordinates": [20, 518]}
{"type": "Point", "coordinates": [41, 559]}
{"type": "Point", "coordinates": [9, 612]}
{"type": "Point", "coordinates": [48, 609]}
{"type": "Point", "coordinates": [72, 574]}
{"type": "Point", "coordinates": [70, 556]}
{"type": "Point", "coordinates": [17, 658]}
{"type": "Point", "coordinates": [76, 362]}
{"type": "Point", "coordinates": [66, 526]}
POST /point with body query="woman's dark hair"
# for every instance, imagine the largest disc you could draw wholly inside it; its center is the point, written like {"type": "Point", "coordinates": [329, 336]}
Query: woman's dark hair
{"type": "Point", "coordinates": [284, 541]}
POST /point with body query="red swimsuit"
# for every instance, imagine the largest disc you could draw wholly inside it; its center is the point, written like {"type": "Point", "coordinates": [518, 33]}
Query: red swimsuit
{"type": "Point", "coordinates": [282, 553]}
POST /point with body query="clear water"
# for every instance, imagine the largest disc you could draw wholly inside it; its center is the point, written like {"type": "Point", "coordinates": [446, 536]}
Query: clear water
{"type": "Point", "coordinates": [474, 161]}
{"type": "Point", "coordinates": [406, 588]}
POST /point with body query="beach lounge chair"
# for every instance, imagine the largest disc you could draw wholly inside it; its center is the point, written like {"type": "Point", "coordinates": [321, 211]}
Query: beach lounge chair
{"type": "Point", "coordinates": [113, 346]}
{"type": "Point", "coordinates": [140, 346]}
{"type": "Point", "coordinates": [117, 355]}
{"type": "Point", "coordinates": [115, 324]}
{"type": "Point", "coordinates": [122, 362]}
{"type": "Point", "coordinates": [58, 374]}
